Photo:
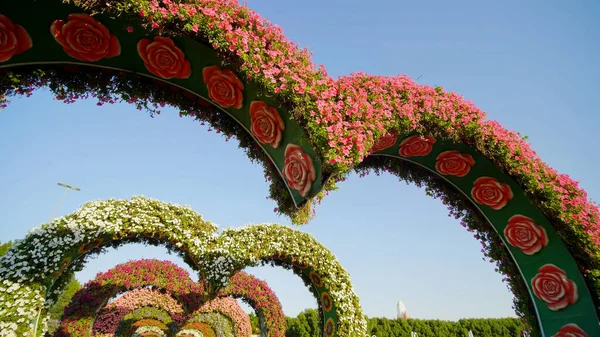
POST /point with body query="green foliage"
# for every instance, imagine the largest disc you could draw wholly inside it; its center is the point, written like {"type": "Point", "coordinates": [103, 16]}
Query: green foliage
{"type": "Point", "coordinates": [306, 324]}
{"type": "Point", "coordinates": [255, 323]}
{"type": "Point", "coordinates": [64, 299]}
{"type": "Point", "coordinates": [5, 247]}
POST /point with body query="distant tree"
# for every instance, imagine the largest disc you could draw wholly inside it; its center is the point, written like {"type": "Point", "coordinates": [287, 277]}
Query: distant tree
{"type": "Point", "coordinates": [255, 322]}
{"type": "Point", "coordinates": [5, 247]}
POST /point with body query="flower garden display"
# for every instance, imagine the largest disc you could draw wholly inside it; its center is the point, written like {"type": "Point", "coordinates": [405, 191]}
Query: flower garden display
{"type": "Point", "coordinates": [195, 329]}
{"type": "Point", "coordinates": [216, 257]}
{"type": "Point", "coordinates": [262, 299]}
{"type": "Point", "coordinates": [149, 328]}
{"type": "Point", "coordinates": [218, 323]}
{"type": "Point", "coordinates": [244, 286]}
{"type": "Point", "coordinates": [146, 316]}
{"type": "Point", "coordinates": [229, 308]}
{"type": "Point", "coordinates": [80, 315]}
{"type": "Point", "coordinates": [108, 319]}
{"type": "Point", "coordinates": [220, 62]}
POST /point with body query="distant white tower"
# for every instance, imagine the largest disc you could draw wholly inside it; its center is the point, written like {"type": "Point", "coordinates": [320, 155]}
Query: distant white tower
{"type": "Point", "coordinates": [402, 311]}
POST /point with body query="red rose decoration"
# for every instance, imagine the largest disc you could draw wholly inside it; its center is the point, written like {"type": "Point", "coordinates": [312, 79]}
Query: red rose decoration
{"type": "Point", "coordinates": [384, 142]}
{"type": "Point", "coordinates": [570, 330]}
{"type": "Point", "coordinates": [224, 87]}
{"type": "Point", "coordinates": [552, 286]}
{"type": "Point", "coordinates": [84, 38]}
{"type": "Point", "coordinates": [454, 163]}
{"type": "Point", "coordinates": [14, 39]}
{"type": "Point", "coordinates": [163, 58]}
{"type": "Point", "coordinates": [266, 124]}
{"type": "Point", "coordinates": [525, 234]}
{"type": "Point", "coordinates": [298, 169]}
{"type": "Point", "coordinates": [416, 146]}
{"type": "Point", "coordinates": [489, 191]}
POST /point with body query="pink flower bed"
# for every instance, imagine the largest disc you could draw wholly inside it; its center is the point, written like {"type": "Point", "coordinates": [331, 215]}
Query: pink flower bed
{"type": "Point", "coordinates": [231, 309]}
{"type": "Point", "coordinates": [79, 315]}
{"type": "Point", "coordinates": [259, 296]}
{"type": "Point", "coordinates": [110, 317]}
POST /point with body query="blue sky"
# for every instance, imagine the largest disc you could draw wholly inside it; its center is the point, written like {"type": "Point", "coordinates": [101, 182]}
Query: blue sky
{"type": "Point", "coordinates": [531, 65]}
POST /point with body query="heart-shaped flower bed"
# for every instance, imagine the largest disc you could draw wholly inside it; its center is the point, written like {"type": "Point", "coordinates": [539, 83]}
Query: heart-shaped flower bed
{"type": "Point", "coordinates": [41, 263]}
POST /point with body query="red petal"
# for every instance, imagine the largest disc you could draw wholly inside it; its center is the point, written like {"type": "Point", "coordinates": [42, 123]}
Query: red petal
{"type": "Point", "coordinates": [23, 39]}
{"type": "Point", "coordinates": [186, 70]}
{"type": "Point", "coordinates": [550, 268]}
{"type": "Point", "coordinates": [114, 47]}
{"type": "Point", "coordinates": [56, 31]}
{"type": "Point", "coordinates": [86, 18]}
{"type": "Point", "coordinates": [7, 22]}
{"type": "Point", "coordinates": [141, 48]}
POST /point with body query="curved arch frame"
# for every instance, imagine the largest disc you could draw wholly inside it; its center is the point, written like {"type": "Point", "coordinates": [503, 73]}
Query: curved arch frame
{"type": "Point", "coordinates": [258, 295]}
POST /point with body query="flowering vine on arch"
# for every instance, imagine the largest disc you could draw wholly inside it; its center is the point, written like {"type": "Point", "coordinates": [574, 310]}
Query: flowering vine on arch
{"type": "Point", "coordinates": [35, 269]}
{"type": "Point", "coordinates": [262, 299]}
{"type": "Point", "coordinates": [291, 249]}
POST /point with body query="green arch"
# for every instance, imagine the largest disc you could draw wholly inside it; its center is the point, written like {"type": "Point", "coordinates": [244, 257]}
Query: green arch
{"type": "Point", "coordinates": [553, 201]}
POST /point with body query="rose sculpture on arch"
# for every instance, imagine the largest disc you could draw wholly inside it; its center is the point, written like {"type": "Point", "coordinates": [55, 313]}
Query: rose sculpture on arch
{"type": "Point", "coordinates": [224, 87]}
{"type": "Point", "coordinates": [454, 163]}
{"type": "Point", "coordinates": [416, 146]}
{"type": "Point", "coordinates": [14, 39]}
{"type": "Point", "coordinates": [571, 330]}
{"type": "Point", "coordinates": [266, 124]}
{"type": "Point", "coordinates": [552, 286]}
{"type": "Point", "coordinates": [85, 39]}
{"type": "Point", "coordinates": [523, 233]}
{"type": "Point", "coordinates": [298, 169]}
{"type": "Point", "coordinates": [384, 142]}
{"type": "Point", "coordinates": [489, 191]}
{"type": "Point", "coordinates": [163, 58]}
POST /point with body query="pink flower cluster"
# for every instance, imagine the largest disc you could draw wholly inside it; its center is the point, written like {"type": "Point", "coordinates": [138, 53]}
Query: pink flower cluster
{"type": "Point", "coordinates": [259, 296]}
{"type": "Point", "coordinates": [230, 308]}
{"type": "Point", "coordinates": [108, 320]}
{"type": "Point", "coordinates": [78, 315]}
{"type": "Point", "coordinates": [346, 116]}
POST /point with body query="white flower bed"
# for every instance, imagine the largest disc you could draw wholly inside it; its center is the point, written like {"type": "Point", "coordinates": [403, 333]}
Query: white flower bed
{"type": "Point", "coordinates": [28, 267]}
